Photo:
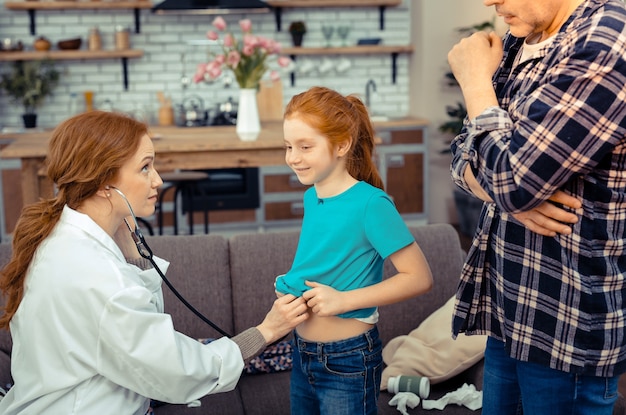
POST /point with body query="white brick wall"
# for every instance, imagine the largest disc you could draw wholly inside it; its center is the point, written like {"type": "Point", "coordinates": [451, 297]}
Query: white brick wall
{"type": "Point", "coordinates": [164, 42]}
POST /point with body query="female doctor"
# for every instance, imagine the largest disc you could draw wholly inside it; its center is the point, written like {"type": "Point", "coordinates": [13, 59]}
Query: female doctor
{"type": "Point", "coordinates": [85, 311]}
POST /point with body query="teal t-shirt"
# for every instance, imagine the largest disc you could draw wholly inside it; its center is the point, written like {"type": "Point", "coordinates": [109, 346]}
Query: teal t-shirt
{"type": "Point", "coordinates": [344, 241]}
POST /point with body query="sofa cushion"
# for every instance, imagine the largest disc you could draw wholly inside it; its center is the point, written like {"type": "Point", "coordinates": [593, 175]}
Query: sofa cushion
{"type": "Point", "coordinates": [255, 261]}
{"type": "Point", "coordinates": [430, 350]}
{"type": "Point", "coordinates": [199, 270]}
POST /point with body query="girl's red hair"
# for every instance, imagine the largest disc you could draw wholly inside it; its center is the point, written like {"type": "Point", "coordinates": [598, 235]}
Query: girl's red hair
{"type": "Point", "coordinates": [340, 119]}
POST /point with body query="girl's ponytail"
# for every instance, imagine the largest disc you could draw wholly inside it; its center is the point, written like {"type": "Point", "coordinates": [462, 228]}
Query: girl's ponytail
{"type": "Point", "coordinates": [361, 163]}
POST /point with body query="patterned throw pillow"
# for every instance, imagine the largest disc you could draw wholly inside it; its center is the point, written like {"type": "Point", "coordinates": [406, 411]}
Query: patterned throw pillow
{"type": "Point", "coordinates": [276, 357]}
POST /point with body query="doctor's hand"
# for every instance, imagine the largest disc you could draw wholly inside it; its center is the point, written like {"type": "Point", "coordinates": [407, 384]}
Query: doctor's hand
{"type": "Point", "coordinates": [549, 219]}
{"type": "Point", "coordinates": [287, 312]}
{"type": "Point", "coordinates": [324, 300]}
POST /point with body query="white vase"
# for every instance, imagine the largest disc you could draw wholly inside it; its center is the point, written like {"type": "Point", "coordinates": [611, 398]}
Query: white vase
{"type": "Point", "coordinates": [248, 124]}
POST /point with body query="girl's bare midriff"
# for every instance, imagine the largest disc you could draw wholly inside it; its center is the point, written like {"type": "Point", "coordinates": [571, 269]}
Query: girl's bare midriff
{"type": "Point", "coordinates": [328, 329]}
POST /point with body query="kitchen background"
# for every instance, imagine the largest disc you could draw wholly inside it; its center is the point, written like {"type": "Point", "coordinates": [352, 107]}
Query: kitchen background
{"type": "Point", "coordinates": [170, 55]}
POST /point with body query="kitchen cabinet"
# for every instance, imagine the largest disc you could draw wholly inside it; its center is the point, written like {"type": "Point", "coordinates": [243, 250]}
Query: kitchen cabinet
{"type": "Point", "coordinates": [279, 5]}
{"type": "Point", "coordinates": [281, 194]}
{"type": "Point", "coordinates": [402, 163]}
{"type": "Point", "coordinates": [33, 6]}
{"type": "Point", "coordinates": [10, 191]}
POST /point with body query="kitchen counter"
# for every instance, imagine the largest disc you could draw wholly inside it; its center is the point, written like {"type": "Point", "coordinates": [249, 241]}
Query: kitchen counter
{"type": "Point", "coordinates": [176, 148]}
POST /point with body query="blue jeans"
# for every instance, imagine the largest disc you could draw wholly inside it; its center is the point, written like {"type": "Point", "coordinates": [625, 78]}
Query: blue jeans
{"type": "Point", "coordinates": [511, 387]}
{"type": "Point", "coordinates": [338, 378]}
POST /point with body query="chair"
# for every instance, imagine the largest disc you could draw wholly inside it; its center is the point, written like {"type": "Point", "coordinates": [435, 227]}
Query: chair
{"type": "Point", "coordinates": [183, 183]}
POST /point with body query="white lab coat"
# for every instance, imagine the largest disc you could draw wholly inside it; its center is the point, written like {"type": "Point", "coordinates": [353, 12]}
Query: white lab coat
{"type": "Point", "coordinates": [90, 335]}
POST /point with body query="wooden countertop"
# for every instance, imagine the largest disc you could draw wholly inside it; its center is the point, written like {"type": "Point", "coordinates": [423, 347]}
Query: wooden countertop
{"type": "Point", "coordinates": [184, 139]}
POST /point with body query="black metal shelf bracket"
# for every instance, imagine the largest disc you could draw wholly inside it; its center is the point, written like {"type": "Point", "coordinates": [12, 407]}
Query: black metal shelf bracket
{"type": "Point", "coordinates": [125, 72]}
{"type": "Point", "coordinates": [31, 15]}
{"type": "Point", "coordinates": [394, 67]}
{"type": "Point", "coordinates": [293, 73]}
{"type": "Point", "coordinates": [381, 10]}
{"type": "Point", "coordinates": [137, 21]}
{"type": "Point", "coordinates": [278, 14]}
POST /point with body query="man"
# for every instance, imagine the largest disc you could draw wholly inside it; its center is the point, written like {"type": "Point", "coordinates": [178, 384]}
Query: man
{"type": "Point", "coordinates": [544, 145]}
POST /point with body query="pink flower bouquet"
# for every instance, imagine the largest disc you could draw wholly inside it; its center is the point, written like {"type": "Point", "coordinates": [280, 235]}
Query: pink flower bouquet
{"type": "Point", "coordinates": [247, 58]}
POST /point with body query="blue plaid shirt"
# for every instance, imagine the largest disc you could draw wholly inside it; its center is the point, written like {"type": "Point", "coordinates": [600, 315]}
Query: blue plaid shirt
{"type": "Point", "coordinates": [561, 124]}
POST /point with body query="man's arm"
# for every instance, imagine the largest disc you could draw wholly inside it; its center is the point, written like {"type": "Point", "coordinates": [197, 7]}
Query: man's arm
{"type": "Point", "coordinates": [547, 219]}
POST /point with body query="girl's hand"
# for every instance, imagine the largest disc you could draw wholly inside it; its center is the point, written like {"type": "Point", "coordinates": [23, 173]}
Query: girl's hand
{"type": "Point", "coordinates": [324, 300]}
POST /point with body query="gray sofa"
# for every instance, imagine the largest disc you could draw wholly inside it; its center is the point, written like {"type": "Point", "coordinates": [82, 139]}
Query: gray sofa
{"type": "Point", "coordinates": [230, 280]}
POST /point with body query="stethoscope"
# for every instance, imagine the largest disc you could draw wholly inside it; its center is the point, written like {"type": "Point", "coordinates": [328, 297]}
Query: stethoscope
{"type": "Point", "coordinates": [146, 252]}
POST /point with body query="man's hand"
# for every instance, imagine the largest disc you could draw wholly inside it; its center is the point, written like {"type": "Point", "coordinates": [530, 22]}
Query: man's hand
{"type": "Point", "coordinates": [475, 57]}
{"type": "Point", "coordinates": [473, 61]}
{"type": "Point", "coordinates": [548, 219]}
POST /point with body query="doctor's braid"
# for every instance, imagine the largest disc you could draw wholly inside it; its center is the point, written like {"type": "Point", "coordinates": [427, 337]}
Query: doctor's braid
{"type": "Point", "coordinates": [34, 225]}
{"type": "Point", "coordinates": [360, 160]}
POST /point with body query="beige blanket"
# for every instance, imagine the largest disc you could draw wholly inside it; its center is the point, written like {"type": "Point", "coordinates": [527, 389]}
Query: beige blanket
{"type": "Point", "coordinates": [430, 350]}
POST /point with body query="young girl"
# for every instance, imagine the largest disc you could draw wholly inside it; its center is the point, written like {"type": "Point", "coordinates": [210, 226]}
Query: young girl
{"type": "Point", "coordinates": [350, 226]}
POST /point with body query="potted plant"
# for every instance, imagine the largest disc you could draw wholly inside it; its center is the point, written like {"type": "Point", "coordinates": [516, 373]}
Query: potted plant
{"type": "Point", "coordinates": [28, 83]}
{"type": "Point", "coordinates": [297, 30]}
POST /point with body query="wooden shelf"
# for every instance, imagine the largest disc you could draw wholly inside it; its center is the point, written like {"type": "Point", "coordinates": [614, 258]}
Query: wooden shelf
{"type": "Point", "coordinates": [62, 5]}
{"type": "Point", "coordinates": [332, 3]}
{"type": "Point", "coordinates": [70, 54]}
{"type": "Point", "coordinates": [279, 5]}
{"type": "Point", "coordinates": [124, 55]}
{"type": "Point", "coordinates": [394, 51]}
{"type": "Point", "coordinates": [32, 6]}
{"type": "Point", "coordinates": [348, 50]}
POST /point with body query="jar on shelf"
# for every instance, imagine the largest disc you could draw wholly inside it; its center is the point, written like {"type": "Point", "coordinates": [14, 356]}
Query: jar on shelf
{"type": "Point", "coordinates": [122, 38]}
{"type": "Point", "coordinates": [95, 40]}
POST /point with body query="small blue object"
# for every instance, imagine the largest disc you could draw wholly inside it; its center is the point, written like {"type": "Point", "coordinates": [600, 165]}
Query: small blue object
{"type": "Point", "coordinates": [369, 41]}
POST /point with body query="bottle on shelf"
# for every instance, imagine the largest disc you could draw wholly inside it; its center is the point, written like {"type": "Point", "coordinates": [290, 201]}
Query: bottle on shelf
{"type": "Point", "coordinates": [88, 100]}
{"type": "Point", "coordinates": [122, 38]}
{"type": "Point", "coordinates": [73, 105]}
{"type": "Point", "coordinates": [95, 40]}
